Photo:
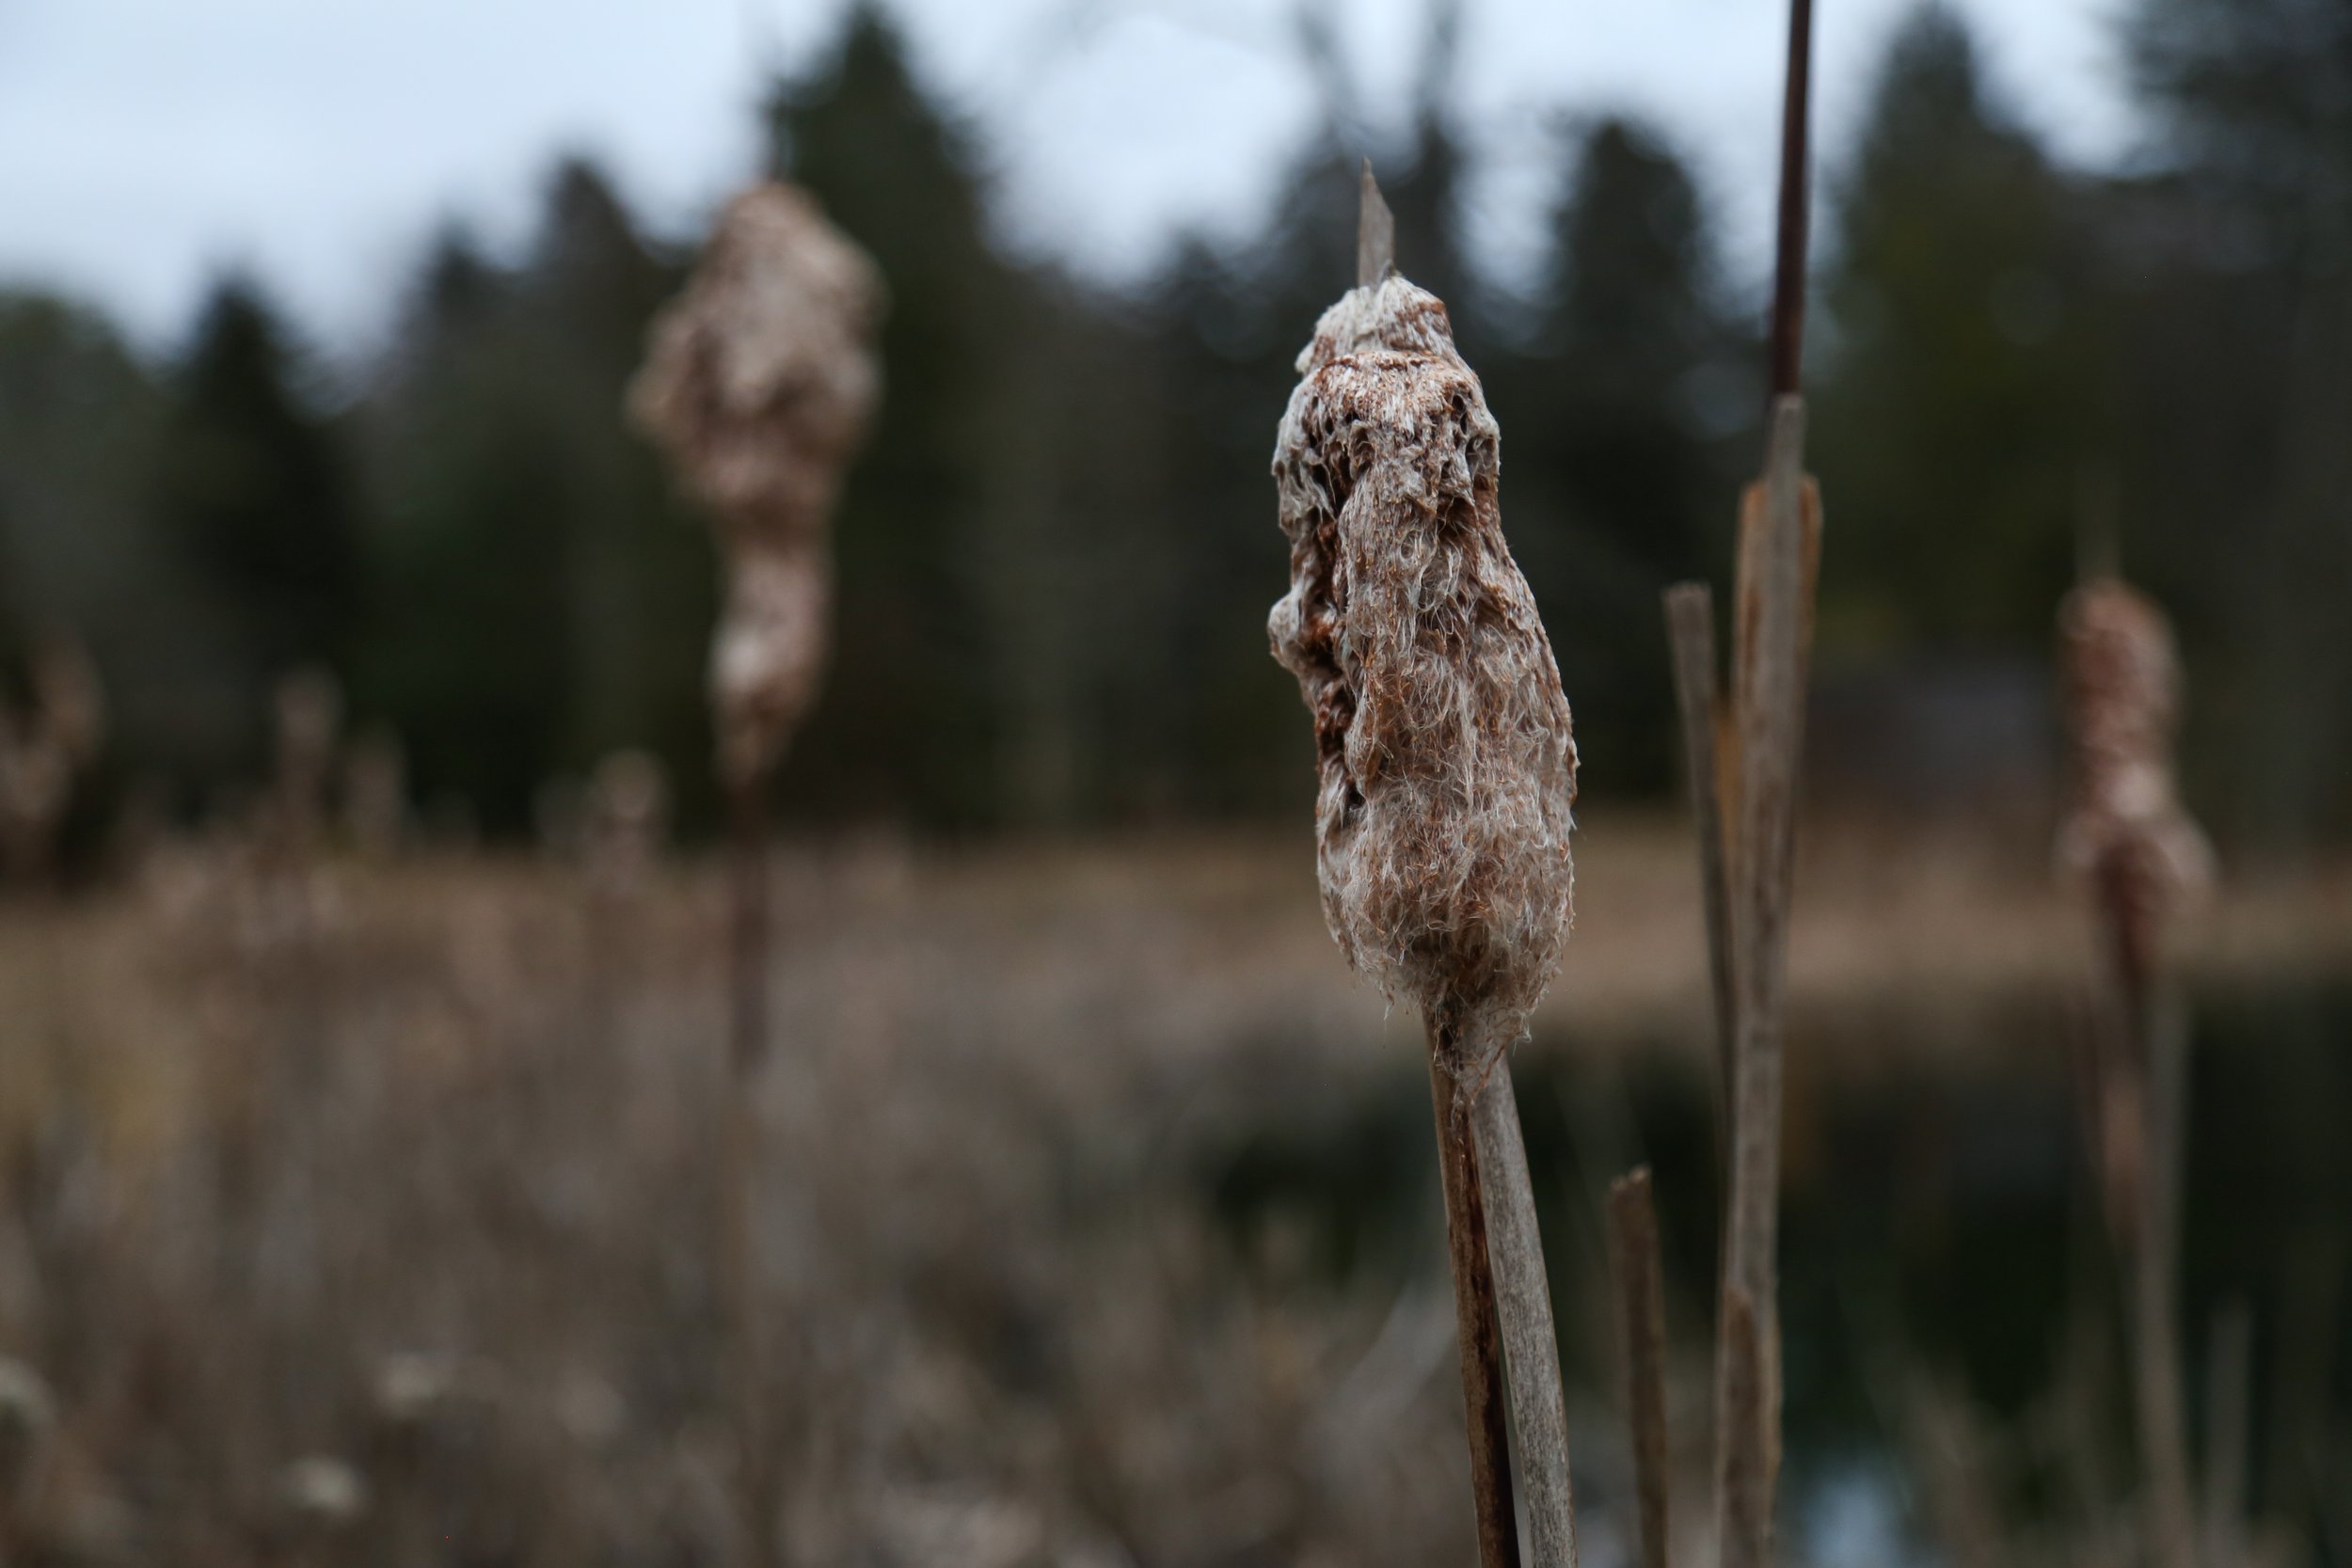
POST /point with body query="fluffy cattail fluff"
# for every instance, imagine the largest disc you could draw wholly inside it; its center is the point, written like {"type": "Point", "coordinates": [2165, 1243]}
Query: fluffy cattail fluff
{"type": "Point", "coordinates": [2126, 830]}
{"type": "Point", "coordinates": [760, 382]}
{"type": "Point", "coordinates": [1448, 768]}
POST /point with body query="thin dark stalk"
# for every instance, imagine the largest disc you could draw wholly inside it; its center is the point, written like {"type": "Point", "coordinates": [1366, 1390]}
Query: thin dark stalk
{"type": "Point", "coordinates": [2169, 1510]}
{"type": "Point", "coordinates": [757, 1478]}
{"type": "Point", "coordinates": [1642, 1320]}
{"type": "Point", "coordinates": [1531, 1344]}
{"type": "Point", "coordinates": [1690, 635]}
{"type": "Point", "coordinates": [2229, 1371]}
{"type": "Point", "coordinates": [1788, 347]}
{"type": "Point", "coordinates": [1474, 1313]}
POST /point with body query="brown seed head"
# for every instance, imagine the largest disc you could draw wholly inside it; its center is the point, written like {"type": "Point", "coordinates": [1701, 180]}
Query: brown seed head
{"type": "Point", "coordinates": [1448, 768]}
{"type": "Point", "coordinates": [760, 382]}
{"type": "Point", "coordinates": [2125, 829]}
{"type": "Point", "coordinates": [760, 378]}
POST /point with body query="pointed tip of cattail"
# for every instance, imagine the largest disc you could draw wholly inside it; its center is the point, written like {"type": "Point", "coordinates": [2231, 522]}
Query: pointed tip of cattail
{"type": "Point", "coordinates": [1375, 233]}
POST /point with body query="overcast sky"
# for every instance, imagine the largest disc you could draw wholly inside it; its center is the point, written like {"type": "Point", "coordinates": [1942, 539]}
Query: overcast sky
{"type": "Point", "coordinates": [146, 144]}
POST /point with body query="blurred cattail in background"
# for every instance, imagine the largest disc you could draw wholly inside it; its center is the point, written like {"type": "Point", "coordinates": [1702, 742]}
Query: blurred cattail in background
{"type": "Point", "coordinates": [44, 752]}
{"type": "Point", "coordinates": [2126, 832]}
{"type": "Point", "coordinates": [760, 382]}
{"type": "Point", "coordinates": [2127, 836]}
{"type": "Point", "coordinates": [1447, 774]}
{"type": "Point", "coordinates": [309, 711]}
{"type": "Point", "coordinates": [627, 820]}
{"type": "Point", "coordinates": [376, 794]}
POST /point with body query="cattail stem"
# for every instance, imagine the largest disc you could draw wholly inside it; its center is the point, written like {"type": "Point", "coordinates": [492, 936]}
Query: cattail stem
{"type": "Point", "coordinates": [1474, 1308]}
{"type": "Point", "coordinates": [1641, 1322]}
{"type": "Point", "coordinates": [756, 1476]}
{"type": "Point", "coordinates": [2228, 1370]}
{"type": "Point", "coordinates": [2170, 1511]}
{"type": "Point", "coordinates": [1531, 1345]}
{"type": "Point", "coordinates": [1691, 636]}
{"type": "Point", "coordinates": [1779, 550]}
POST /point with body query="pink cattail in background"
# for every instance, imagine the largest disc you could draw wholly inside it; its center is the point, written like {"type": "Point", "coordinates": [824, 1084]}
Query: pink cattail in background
{"type": "Point", "coordinates": [1447, 774]}
{"type": "Point", "coordinates": [760, 382]}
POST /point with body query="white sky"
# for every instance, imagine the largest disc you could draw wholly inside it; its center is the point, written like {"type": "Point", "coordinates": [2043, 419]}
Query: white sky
{"type": "Point", "coordinates": [146, 144]}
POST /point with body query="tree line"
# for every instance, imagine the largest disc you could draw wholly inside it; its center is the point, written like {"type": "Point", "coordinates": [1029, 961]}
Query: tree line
{"type": "Point", "coordinates": [1056, 553]}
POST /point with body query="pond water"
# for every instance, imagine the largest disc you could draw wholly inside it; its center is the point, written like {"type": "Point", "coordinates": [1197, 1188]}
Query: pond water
{"type": "Point", "coordinates": [1939, 1228]}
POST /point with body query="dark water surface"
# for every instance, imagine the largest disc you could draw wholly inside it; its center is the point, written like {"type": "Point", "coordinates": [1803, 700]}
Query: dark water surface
{"type": "Point", "coordinates": [1938, 1227]}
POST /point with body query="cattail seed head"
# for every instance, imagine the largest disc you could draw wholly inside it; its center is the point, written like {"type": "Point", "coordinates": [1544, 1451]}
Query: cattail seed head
{"type": "Point", "coordinates": [760, 382]}
{"type": "Point", "coordinates": [2125, 830]}
{"type": "Point", "coordinates": [760, 378]}
{"type": "Point", "coordinates": [1447, 762]}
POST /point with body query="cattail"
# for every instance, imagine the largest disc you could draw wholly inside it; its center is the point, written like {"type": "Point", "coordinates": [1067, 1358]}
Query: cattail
{"type": "Point", "coordinates": [376, 794]}
{"type": "Point", "coordinates": [2126, 830]}
{"type": "Point", "coordinates": [308, 710]}
{"type": "Point", "coordinates": [2127, 835]}
{"type": "Point", "coordinates": [760, 382]}
{"type": "Point", "coordinates": [1448, 770]}
{"type": "Point", "coordinates": [1447, 774]}
{"type": "Point", "coordinates": [627, 818]}
{"type": "Point", "coordinates": [36, 787]}
{"type": "Point", "coordinates": [69, 699]}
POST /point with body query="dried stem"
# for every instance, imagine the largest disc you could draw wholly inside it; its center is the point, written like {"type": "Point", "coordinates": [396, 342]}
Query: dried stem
{"type": "Point", "coordinates": [2228, 1370]}
{"type": "Point", "coordinates": [1641, 1320]}
{"type": "Point", "coordinates": [1788, 347]}
{"type": "Point", "coordinates": [1690, 635]}
{"type": "Point", "coordinates": [2171, 1513]}
{"type": "Point", "coordinates": [1779, 548]}
{"type": "Point", "coordinates": [1474, 1314]}
{"type": "Point", "coordinates": [1531, 1345]}
{"type": "Point", "coordinates": [759, 1477]}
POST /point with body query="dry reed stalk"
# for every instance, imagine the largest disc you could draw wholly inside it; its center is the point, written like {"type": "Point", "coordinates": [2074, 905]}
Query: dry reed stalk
{"type": "Point", "coordinates": [44, 754]}
{"type": "Point", "coordinates": [1642, 1325]}
{"type": "Point", "coordinates": [1779, 552]}
{"type": "Point", "coordinates": [760, 381]}
{"type": "Point", "coordinates": [1706, 753]}
{"type": "Point", "coordinates": [1448, 773]}
{"type": "Point", "coordinates": [2128, 838]}
{"type": "Point", "coordinates": [1780, 527]}
{"type": "Point", "coordinates": [2229, 1374]}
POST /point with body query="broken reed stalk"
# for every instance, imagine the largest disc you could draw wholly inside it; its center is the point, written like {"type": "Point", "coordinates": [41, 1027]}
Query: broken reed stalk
{"type": "Point", "coordinates": [759, 381]}
{"type": "Point", "coordinates": [2128, 838]}
{"type": "Point", "coordinates": [1779, 551]}
{"type": "Point", "coordinates": [1447, 775]}
{"type": "Point", "coordinates": [2229, 1373]}
{"type": "Point", "coordinates": [1642, 1326]}
{"type": "Point", "coordinates": [1691, 636]}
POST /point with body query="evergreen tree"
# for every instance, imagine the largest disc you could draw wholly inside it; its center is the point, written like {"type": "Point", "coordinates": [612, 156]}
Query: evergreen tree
{"type": "Point", "coordinates": [1960, 407]}
{"type": "Point", "coordinates": [1615, 485]}
{"type": "Point", "coordinates": [909, 717]}
{"type": "Point", "coordinates": [2239, 376]}
{"type": "Point", "coordinates": [255, 502]}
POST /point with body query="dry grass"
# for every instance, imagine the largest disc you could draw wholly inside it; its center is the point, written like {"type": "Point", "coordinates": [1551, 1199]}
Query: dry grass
{"type": "Point", "coordinates": [408, 1170]}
